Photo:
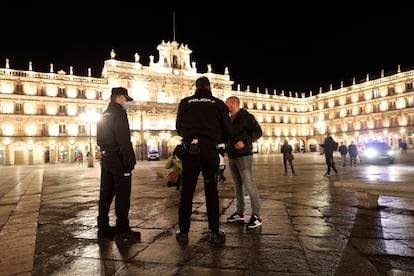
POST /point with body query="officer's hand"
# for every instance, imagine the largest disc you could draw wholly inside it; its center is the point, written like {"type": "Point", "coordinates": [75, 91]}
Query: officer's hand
{"type": "Point", "coordinates": [222, 151]}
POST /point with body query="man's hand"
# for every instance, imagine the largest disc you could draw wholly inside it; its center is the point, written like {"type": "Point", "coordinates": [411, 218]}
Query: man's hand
{"type": "Point", "coordinates": [239, 145]}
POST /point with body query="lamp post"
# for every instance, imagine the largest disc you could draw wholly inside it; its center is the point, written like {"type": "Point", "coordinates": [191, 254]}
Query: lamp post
{"type": "Point", "coordinates": [7, 152]}
{"type": "Point", "coordinates": [320, 124]}
{"type": "Point", "coordinates": [90, 157]}
{"type": "Point", "coordinates": [90, 117]}
{"type": "Point", "coordinates": [135, 135]}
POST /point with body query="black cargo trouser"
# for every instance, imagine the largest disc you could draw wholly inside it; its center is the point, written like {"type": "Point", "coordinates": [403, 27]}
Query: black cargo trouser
{"type": "Point", "coordinates": [114, 183]}
{"type": "Point", "coordinates": [206, 162]}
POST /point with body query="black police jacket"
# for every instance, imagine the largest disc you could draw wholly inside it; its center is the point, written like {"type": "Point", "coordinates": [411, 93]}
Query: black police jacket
{"type": "Point", "coordinates": [114, 139]}
{"type": "Point", "coordinates": [203, 116]}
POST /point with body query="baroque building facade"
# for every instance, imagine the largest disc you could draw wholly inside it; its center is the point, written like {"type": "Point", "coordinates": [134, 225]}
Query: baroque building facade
{"type": "Point", "coordinates": [50, 117]}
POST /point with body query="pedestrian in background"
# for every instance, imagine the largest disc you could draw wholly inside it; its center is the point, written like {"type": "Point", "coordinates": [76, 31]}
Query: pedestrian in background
{"type": "Point", "coordinates": [174, 164]}
{"type": "Point", "coordinates": [353, 153]}
{"type": "Point", "coordinates": [117, 162]}
{"type": "Point", "coordinates": [287, 152]}
{"type": "Point", "coordinates": [329, 146]}
{"type": "Point", "coordinates": [246, 130]}
{"type": "Point", "coordinates": [343, 150]}
{"type": "Point", "coordinates": [203, 122]}
{"type": "Point", "coordinates": [80, 159]}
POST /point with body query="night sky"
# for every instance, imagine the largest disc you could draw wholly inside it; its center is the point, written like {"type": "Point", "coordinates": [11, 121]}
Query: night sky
{"type": "Point", "coordinates": [295, 47]}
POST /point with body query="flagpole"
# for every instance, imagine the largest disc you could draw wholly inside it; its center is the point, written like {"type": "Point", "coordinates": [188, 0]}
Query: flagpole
{"type": "Point", "coordinates": [173, 26]}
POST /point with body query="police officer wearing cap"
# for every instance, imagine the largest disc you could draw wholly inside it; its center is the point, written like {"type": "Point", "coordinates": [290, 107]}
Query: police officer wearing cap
{"type": "Point", "coordinates": [117, 162]}
{"type": "Point", "coordinates": [203, 122]}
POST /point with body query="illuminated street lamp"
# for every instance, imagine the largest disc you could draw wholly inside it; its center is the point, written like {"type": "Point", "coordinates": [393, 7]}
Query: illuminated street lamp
{"type": "Point", "coordinates": [90, 117]}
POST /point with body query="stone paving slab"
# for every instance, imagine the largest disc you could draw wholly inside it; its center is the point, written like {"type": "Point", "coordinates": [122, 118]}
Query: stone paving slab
{"type": "Point", "coordinates": [310, 227]}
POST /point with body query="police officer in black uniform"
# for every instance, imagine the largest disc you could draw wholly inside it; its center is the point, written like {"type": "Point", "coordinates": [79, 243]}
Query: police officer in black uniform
{"type": "Point", "coordinates": [117, 162]}
{"type": "Point", "coordinates": [203, 122]}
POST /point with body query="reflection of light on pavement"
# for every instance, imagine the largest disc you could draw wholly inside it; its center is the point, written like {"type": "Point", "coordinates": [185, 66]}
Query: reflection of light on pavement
{"type": "Point", "coordinates": [383, 174]}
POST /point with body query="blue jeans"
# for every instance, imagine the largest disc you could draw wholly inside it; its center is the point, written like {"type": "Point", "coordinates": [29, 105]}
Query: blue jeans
{"type": "Point", "coordinates": [352, 160]}
{"type": "Point", "coordinates": [241, 169]}
{"type": "Point", "coordinates": [343, 158]}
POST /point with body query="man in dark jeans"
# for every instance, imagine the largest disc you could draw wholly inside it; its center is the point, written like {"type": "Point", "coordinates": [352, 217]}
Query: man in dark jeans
{"type": "Point", "coordinates": [287, 150]}
{"type": "Point", "coordinates": [329, 146]}
{"type": "Point", "coordinates": [343, 150]}
{"type": "Point", "coordinates": [353, 153]}
{"type": "Point", "coordinates": [203, 122]}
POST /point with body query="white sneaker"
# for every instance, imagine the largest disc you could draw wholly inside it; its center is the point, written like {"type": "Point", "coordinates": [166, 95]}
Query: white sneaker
{"type": "Point", "coordinates": [254, 222]}
{"type": "Point", "coordinates": [235, 217]}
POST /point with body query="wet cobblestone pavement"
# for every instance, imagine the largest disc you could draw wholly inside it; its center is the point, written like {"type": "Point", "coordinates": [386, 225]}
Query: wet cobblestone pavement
{"type": "Point", "coordinates": [48, 224]}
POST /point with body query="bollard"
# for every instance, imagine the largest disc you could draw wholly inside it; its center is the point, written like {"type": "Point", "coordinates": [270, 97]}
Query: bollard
{"type": "Point", "coordinates": [90, 161]}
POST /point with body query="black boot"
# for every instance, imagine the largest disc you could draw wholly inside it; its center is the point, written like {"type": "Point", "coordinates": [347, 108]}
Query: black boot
{"type": "Point", "coordinates": [105, 231]}
{"type": "Point", "coordinates": [124, 233]}
{"type": "Point", "coordinates": [127, 236]}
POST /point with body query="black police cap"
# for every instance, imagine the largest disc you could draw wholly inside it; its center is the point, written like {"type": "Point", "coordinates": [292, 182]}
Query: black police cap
{"type": "Point", "coordinates": [121, 91]}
